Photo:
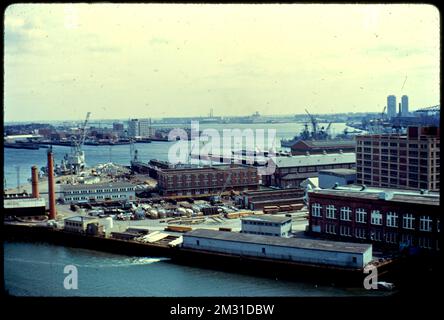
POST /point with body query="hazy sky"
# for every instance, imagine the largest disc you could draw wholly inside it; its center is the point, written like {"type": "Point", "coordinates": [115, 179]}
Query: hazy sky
{"type": "Point", "coordinates": [159, 60]}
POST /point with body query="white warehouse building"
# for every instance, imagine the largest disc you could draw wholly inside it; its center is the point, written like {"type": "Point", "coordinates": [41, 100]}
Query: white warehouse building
{"type": "Point", "coordinates": [333, 253]}
{"type": "Point", "coordinates": [267, 225]}
{"type": "Point", "coordinates": [97, 192]}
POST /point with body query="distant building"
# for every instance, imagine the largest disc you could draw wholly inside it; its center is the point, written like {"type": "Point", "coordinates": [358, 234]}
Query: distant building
{"type": "Point", "coordinates": [407, 161]}
{"type": "Point", "coordinates": [140, 128]}
{"type": "Point", "coordinates": [133, 128]}
{"type": "Point", "coordinates": [267, 225]}
{"type": "Point", "coordinates": [301, 147]}
{"type": "Point", "coordinates": [404, 106]}
{"type": "Point", "coordinates": [118, 127]}
{"type": "Point", "coordinates": [207, 180]}
{"type": "Point", "coordinates": [291, 171]}
{"type": "Point", "coordinates": [145, 129]}
{"type": "Point", "coordinates": [388, 217]}
{"type": "Point", "coordinates": [97, 192]}
{"type": "Point", "coordinates": [329, 178]}
{"type": "Point", "coordinates": [391, 106]}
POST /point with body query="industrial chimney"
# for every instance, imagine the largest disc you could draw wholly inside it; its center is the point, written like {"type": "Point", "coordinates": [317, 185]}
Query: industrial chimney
{"type": "Point", "coordinates": [35, 182]}
{"type": "Point", "coordinates": [51, 186]}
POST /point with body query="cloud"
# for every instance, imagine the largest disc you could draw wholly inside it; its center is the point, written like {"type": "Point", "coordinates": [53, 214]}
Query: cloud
{"type": "Point", "coordinates": [21, 35]}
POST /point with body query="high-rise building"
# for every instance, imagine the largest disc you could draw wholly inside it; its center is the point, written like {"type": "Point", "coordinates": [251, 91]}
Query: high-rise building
{"type": "Point", "coordinates": [391, 106]}
{"type": "Point", "coordinates": [406, 161]}
{"type": "Point", "coordinates": [140, 128]}
{"type": "Point", "coordinates": [404, 105]}
{"type": "Point", "coordinates": [145, 129]}
{"type": "Point", "coordinates": [133, 128]}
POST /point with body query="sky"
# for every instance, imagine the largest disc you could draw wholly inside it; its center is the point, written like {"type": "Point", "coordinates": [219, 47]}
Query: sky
{"type": "Point", "coordinates": [171, 60]}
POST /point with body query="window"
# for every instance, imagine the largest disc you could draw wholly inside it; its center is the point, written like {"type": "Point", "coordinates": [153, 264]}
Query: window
{"type": "Point", "coordinates": [316, 210]}
{"type": "Point", "coordinates": [345, 231]}
{"type": "Point", "coordinates": [345, 213]}
{"type": "Point", "coordinates": [263, 250]}
{"type": "Point", "coordinates": [424, 242]}
{"type": "Point", "coordinates": [407, 221]}
{"type": "Point", "coordinates": [360, 233]}
{"type": "Point", "coordinates": [331, 212]}
{"type": "Point", "coordinates": [376, 235]}
{"type": "Point", "coordinates": [197, 242]}
{"type": "Point", "coordinates": [390, 237]}
{"type": "Point", "coordinates": [392, 219]}
{"type": "Point", "coordinates": [407, 239]}
{"type": "Point", "coordinates": [361, 215]}
{"type": "Point", "coordinates": [376, 217]}
{"type": "Point", "coordinates": [330, 228]}
{"type": "Point", "coordinates": [425, 223]}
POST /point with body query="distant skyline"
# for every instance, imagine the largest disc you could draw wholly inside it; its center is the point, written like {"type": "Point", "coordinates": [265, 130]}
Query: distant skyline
{"type": "Point", "coordinates": [181, 60]}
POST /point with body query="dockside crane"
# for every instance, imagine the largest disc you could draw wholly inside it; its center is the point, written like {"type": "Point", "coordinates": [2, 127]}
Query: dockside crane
{"type": "Point", "coordinates": [314, 124]}
{"type": "Point", "coordinates": [76, 160]}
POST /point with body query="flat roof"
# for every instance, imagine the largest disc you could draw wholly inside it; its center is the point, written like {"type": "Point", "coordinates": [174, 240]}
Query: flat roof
{"type": "Point", "coordinates": [330, 143]}
{"type": "Point", "coordinates": [209, 168]}
{"type": "Point", "coordinates": [309, 244]}
{"type": "Point", "coordinates": [339, 171]}
{"type": "Point", "coordinates": [80, 218]}
{"type": "Point", "coordinates": [68, 187]}
{"type": "Point", "coordinates": [268, 218]}
{"type": "Point", "coordinates": [315, 159]}
{"type": "Point", "coordinates": [399, 195]}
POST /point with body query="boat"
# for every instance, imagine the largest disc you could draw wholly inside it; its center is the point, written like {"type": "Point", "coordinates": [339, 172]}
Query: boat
{"type": "Point", "coordinates": [21, 145]}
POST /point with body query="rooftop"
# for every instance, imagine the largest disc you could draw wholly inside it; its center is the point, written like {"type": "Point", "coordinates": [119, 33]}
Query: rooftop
{"type": "Point", "coordinates": [398, 195]}
{"type": "Point", "coordinates": [80, 218]}
{"type": "Point", "coordinates": [208, 168]}
{"type": "Point", "coordinates": [69, 187]}
{"type": "Point", "coordinates": [339, 171]}
{"type": "Point", "coordinates": [268, 218]}
{"type": "Point", "coordinates": [309, 244]}
{"type": "Point", "coordinates": [330, 143]}
{"type": "Point", "coordinates": [315, 159]}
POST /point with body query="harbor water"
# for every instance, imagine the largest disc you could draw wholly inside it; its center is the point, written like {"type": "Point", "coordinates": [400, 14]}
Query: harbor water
{"type": "Point", "coordinates": [37, 269]}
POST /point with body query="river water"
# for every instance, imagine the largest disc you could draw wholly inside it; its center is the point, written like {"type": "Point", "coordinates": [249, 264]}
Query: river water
{"type": "Point", "coordinates": [37, 269]}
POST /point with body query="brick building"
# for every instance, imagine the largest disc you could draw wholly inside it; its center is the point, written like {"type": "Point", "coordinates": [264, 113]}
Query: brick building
{"type": "Point", "coordinates": [408, 161]}
{"type": "Point", "coordinates": [387, 217]}
{"type": "Point", "coordinates": [258, 199]}
{"type": "Point", "coordinates": [207, 180]}
{"type": "Point", "coordinates": [291, 171]}
{"type": "Point", "coordinates": [301, 147]}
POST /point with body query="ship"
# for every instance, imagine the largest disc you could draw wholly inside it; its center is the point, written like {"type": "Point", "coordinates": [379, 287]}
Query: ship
{"type": "Point", "coordinates": [21, 145]}
{"type": "Point", "coordinates": [317, 133]}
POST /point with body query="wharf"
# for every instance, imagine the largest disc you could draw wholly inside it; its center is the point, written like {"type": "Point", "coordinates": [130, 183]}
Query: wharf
{"type": "Point", "coordinates": [227, 262]}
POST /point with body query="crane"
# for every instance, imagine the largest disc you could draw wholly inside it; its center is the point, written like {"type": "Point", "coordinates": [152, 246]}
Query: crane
{"type": "Point", "coordinates": [314, 123]}
{"type": "Point", "coordinates": [76, 160]}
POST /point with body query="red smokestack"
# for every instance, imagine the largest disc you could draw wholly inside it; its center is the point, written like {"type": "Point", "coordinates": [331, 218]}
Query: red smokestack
{"type": "Point", "coordinates": [51, 186]}
{"type": "Point", "coordinates": [35, 182]}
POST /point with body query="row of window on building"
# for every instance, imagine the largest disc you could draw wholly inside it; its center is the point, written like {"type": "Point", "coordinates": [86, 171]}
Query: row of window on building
{"type": "Point", "coordinates": [99, 190]}
{"type": "Point", "coordinates": [376, 217]}
{"type": "Point", "coordinates": [265, 233]}
{"type": "Point", "coordinates": [263, 223]}
{"type": "Point", "coordinates": [379, 236]}
{"type": "Point", "coordinates": [396, 144]}
{"type": "Point", "coordinates": [114, 196]}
